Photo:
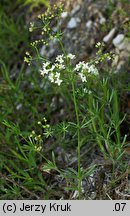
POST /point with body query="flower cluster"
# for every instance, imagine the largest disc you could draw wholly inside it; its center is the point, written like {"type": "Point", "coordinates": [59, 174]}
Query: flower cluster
{"type": "Point", "coordinates": [82, 68]}
{"type": "Point", "coordinates": [28, 58]}
{"type": "Point", "coordinates": [44, 24]}
{"type": "Point", "coordinates": [53, 72]}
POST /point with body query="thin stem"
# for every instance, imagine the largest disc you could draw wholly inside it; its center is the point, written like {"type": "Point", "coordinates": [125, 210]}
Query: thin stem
{"type": "Point", "coordinates": [77, 119]}
{"type": "Point", "coordinates": [62, 47]}
{"type": "Point", "coordinates": [78, 133]}
{"type": "Point", "coordinates": [99, 142]}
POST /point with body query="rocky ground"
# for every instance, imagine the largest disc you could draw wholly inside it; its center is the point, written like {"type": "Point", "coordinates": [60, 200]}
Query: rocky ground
{"type": "Point", "coordinates": [88, 22]}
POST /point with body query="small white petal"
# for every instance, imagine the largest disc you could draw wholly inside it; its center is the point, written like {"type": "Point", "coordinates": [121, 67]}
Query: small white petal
{"type": "Point", "coordinates": [52, 68]}
{"type": "Point", "coordinates": [60, 59]}
{"type": "Point", "coordinates": [71, 56]}
{"type": "Point", "coordinates": [57, 75]}
{"type": "Point", "coordinates": [58, 81]}
{"type": "Point", "coordinates": [83, 77]}
{"type": "Point", "coordinates": [51, 77]}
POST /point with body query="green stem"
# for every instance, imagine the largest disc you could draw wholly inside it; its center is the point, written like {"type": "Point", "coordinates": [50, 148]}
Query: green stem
{"type": "Point", "coordinates": [78, 134]}
{"type": "Point", "coordinates": [62, 47]}
{"type": "Point", "coordinates": [77, 118]}
{"type": "Point", "coordinates": [99, 142]}
{"type": "Point", "coordinates": [98, 139]}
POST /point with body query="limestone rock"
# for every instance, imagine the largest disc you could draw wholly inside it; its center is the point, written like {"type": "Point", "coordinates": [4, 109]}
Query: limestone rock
{"type": "Point", "coordinates": [118, 39]}
{"type": "Point", "coordinates": [109, 36]}
{"type": "Point", "coordinates": [73, 23]}
{"type": "Point", "coordinates": [75, 10]}
{"type": "Point", "coordinates": [121, 42]}
{"type": "Point", "coordinates": [89, 24]}
{"type": "Point", "coordinates": [102, 20]}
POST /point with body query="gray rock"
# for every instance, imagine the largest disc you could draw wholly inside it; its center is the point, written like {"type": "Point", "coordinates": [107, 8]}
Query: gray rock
{"type": "Point", "coordinates": [109, 36]}
{"type": "Point", "coordinates": [43, 50]}
{"type": "Point", "coordinates": [124, 54]}
{"type": "Point", "coordinates": [115, 61]}
{"type": "Point", "coordinates": [89, 24]}
{"type": "Point", "coordinates": [120, 65]}
{"type": "Point", "coordinates": [102, 20]}
{"type": "Point", "coordinates": [73, 22]}
{"type": "Point", "coordinates": [118, 39]}
{"type": "Point", "coordinates": [124, 45]}
{"type": "Point", "coordinates": [75, 10]}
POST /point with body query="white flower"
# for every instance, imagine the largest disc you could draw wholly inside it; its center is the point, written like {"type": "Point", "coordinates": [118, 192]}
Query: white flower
{"type": "Point", "coordinates": [64, 14]}
{"type": "Point", "coordinates": [97, 62]}
{"type": "Point", "coordinates": [57, 75]}
{"type": "Point", "coordinates": [87, 91]}
{"type": "Point", "coordinates": [45, 64]}
{"type": "Point", "coordinates": [58, 81]}
{"type": "Point", "coordinates": [60, 66]}
{"type": "Point", "coordinates": [93, 70]}
{"type": "Point", "coordinates": [52, 68]}
{"type": "Point", "coordinates": [79, 66]}
{"type": "Point", "coordinates": [51, 77]}
{"type": "Point", "coordinates": [85, 66]}
{"type": "Point", "coordinates": [71, 56]}
{"type": "Point", "coordinates": [60, 59]}
{"type": "Point", "coordinates": [109, 57]}
{"type": "Point", "coordinates": [44, 71]}
{"type": "Point", "coordinates": [83, 77]}
{"type": "Point", "coordinates": [98, 44]}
